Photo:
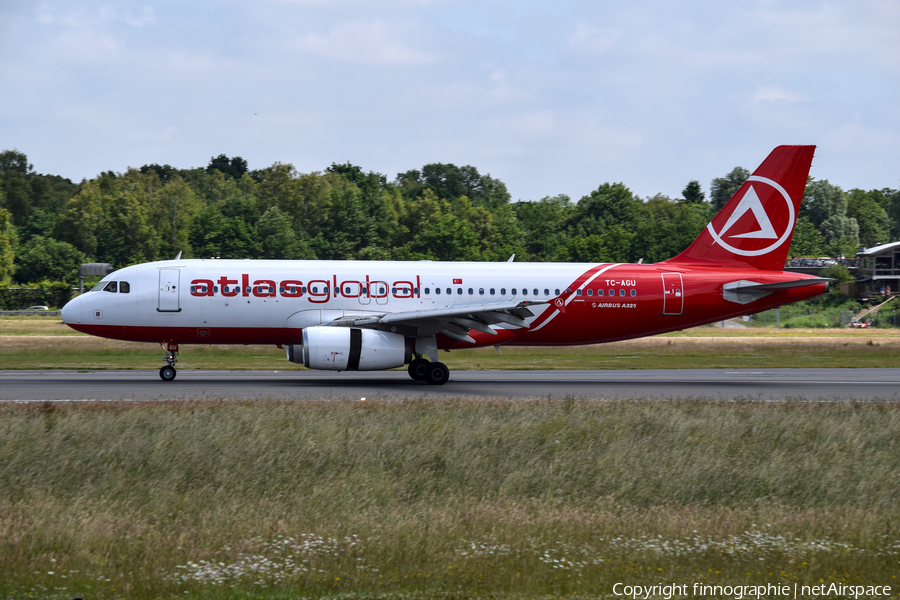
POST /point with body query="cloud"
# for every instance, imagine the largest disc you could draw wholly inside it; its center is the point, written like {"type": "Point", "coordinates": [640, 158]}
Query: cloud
{"type": "Point", "coordinates": [377, 42]}
{"type": "Point", "coordinates": [587, 38]}
{"type": "Point", "coordinates": [772, 94]}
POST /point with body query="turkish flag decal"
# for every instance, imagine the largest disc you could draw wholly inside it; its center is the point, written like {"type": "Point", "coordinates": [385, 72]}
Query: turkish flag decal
{"type": "Point", "coordinates": [457, 282]}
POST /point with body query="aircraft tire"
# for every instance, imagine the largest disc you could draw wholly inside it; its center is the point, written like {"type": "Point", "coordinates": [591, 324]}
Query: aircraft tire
{"type": "Point", "coordinates": [417, 368]}
{"type": "Point", "coordinates": [437, 373]}
{"type": "Point", "coordinates": [167, 373]}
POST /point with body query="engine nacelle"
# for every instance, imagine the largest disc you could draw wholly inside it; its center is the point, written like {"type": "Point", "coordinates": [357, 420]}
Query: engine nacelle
{"type": "Point", "coordinates": [350, 349]}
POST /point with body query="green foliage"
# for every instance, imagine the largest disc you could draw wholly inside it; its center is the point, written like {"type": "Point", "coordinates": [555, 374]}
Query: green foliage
{"type": "Point", "coordinates": [439, 212]}
{"type": "Point", "coordinates": [693, 193]}
{"type": "Point", "coordinates": [53, 294]}
{"type": "Point", "coordinates": [8, 241]}
{"type": "Point", "coordinates": [806, 241]}
{"type": "Point", "coordinates": [723, 188]}
{"type": "Point", "coordinates": [43, 259]}
{"type": "Point", "coordinates": [837, 272]}
{"type": "Point", "coordinates": [277, 238]}
{"type": "Point", "coordinates": [233, 168]}
{"type": "Point", "coordinates": [866, 208]}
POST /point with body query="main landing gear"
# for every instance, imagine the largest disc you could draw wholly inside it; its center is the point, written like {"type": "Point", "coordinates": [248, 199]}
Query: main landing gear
{"type": "Point", "coordinates": [435, 373]}
{"type": "Point", "coordinates": [168, 372]}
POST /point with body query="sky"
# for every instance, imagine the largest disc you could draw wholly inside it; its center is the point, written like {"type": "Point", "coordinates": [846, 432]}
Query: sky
{"type": "Point", "coordinates": [549, 97]}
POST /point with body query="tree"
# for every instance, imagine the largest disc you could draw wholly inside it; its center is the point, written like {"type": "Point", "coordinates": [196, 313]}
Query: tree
{"type": "Point", "coordinates": [543, 224]}
{"type": "Point", "coordinates": [233, 168]}
{"type": "Point", "coordinates": [448, 181]}
{"type": "Point", "coordinates": [15, 183]}
{"type": "Point", "coordinates": [607, 206]}
{"type": "Point", "coordinates": [806, 240]}
{"type": "Point", "coordinates": [7, 246]}
{"type": "Point", "coordinates": [46, 259]}
{"type": "Point", "coordinates": [822, 200]}
{"type": "Point", "coordinates": [723, 188]}
{"type": "Point", "coordinates": [874, 223]}
{"type": "Point", "coordinates": [693, 193]}
{"type": "Point", "coordinates": [278, 240]}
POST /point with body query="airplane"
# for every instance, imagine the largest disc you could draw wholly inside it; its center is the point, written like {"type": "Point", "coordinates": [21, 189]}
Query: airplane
{"type": "Point", "coordinates": [374, 315]}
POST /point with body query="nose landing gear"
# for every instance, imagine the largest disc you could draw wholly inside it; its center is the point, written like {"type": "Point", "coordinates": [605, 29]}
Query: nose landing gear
{"type": "Point", "coordinates": [168, 372]}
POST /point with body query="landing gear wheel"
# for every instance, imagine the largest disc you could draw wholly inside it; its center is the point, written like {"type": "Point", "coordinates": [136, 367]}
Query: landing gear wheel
{"type": "Point", "coordinates": [437, 373]}
{"type": "Point", "coordinates": [417, 368]}
{"type": "Point", "coordinates": [167, 373]}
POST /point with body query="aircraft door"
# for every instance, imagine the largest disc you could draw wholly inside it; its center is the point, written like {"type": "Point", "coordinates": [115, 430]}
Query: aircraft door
{"type": "Point", "coordinates": [379, 291]}
{"type": "Point", "coordinates": [358, 289]}
{"type": "Point", "coordinates": [169, 290]}
{"type": "Point", "coordinates": [673, 294]}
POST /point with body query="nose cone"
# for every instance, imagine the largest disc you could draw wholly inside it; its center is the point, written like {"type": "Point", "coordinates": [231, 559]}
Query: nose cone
{"type": "Point", "coordinates": [71, 312]}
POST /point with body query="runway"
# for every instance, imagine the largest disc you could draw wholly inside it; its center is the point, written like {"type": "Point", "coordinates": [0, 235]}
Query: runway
{"type": "Point", "coordinates": [734, 384]}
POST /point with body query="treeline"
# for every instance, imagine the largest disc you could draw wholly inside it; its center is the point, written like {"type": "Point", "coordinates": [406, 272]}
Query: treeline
{"type": "Point", "coordinates": [49, 225]}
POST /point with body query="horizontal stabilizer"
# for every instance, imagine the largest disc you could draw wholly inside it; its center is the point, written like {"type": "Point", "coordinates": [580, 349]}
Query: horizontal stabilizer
{"type": "Point", "coordinates": [779, 285]}
{"type": "Point", "coordinates": [744, 292]}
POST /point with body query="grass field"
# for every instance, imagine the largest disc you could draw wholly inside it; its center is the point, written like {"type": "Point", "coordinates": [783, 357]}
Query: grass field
{"type": "Point", "coordinates": [443, 499]}
{"type": "Point", "coordinates": [38, 342]}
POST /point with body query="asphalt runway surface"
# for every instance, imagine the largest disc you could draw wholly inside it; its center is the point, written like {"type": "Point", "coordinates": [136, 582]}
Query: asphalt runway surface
{"type": "Point", "coordinates": [733, 384]}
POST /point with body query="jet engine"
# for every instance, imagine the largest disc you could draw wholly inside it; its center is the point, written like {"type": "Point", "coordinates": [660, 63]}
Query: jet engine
{"type": "Point", "coordinates": [350, 349]}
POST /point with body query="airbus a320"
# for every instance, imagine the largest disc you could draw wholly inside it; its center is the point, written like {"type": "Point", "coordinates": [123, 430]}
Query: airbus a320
{"type": "Point", "coordinates": [359, 316]}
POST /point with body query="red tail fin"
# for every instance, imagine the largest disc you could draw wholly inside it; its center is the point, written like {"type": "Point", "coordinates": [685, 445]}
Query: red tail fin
{"type": "Point", "coordinates": [754, 229]}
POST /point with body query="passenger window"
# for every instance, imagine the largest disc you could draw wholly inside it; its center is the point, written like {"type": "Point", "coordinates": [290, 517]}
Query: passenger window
{"type": "Point", "coordinates": [578, 293]}
{"type": "Point", "coordinates": [524, 291]}
{"type": "Point", "coordinates": [315, 289]}
{"type": "Point", "coordinates": [325, 290]}
{"type": "Point", "coordinates": [416, 291]}
{"type": "Point", "coordinates": [514, 291]}
{"type": "Point", "coordinates": [450, 292]}
{"type": "Point", "coordinates": [622, 292]}
{"type": "Point", "coordinates": [546, 292]}
{"type": "Point", "coordinates": [427, 291]}
{"type": "Point", "coordinates": [590, 292]}
{"type": "Point", "coordinates": [393, 290]}
{"type": "Point", "coordinates": [633, 293]}
{"type": "Point", "coordinates": [302, 289]}
{"type": "Point", "coordinates": [502, 291]}
{"type": "Point", "coordinates": [492, 291]}
{"type": "Point", "coordinates": [111, 287]}
{"type": "Point", "coordinates": [535, 292]}
{"type": "Point", "coordinates": [347, 290]}
{"type": "Point", "coordinates": [481, 291]}
{"type": "Point", "coordinates": [436, 291]}
{"type": "Point", "coordinates": [471, 291]}
{"type": "Point", "coordinates": [599, 292]}
{"type": "Point", "coordinates": [124, 288]}
{"type": "Point", "coordinates": [556, 292]}
{"type": "Point", "coordinates": [568, 291]}
{"type": "Point", "coordinates": [215, 289]}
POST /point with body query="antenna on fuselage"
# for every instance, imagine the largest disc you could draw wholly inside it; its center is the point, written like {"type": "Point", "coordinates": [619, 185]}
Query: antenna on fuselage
{"type": "Point", "coordinates": [511, 258]}
{"type": "Point", "coordinates": [179, 255]}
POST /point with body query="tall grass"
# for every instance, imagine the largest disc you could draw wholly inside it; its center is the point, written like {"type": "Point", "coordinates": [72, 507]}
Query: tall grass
{"type": "Point", "coordinates": [473, 497]}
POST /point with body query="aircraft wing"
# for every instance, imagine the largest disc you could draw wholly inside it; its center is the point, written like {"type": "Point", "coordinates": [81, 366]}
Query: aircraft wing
{"type": "Point", "coordinates": [454, 322]}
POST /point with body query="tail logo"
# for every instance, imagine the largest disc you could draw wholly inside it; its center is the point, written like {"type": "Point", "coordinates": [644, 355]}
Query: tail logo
{"type": "Point", "coordinates": [751, 203]}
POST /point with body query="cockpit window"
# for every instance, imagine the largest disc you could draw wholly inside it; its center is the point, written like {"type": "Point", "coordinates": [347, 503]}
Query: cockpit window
{"type": "Point", "coordinates": [112, 286]}
{"type": "Point", "coordinates": [124, 288]}
{"type": "Point", "coordinates": [99, 286]}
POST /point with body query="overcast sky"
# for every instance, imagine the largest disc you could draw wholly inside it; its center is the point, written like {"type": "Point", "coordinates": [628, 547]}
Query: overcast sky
{"type": "Point", "coordinates": [549, 97]}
